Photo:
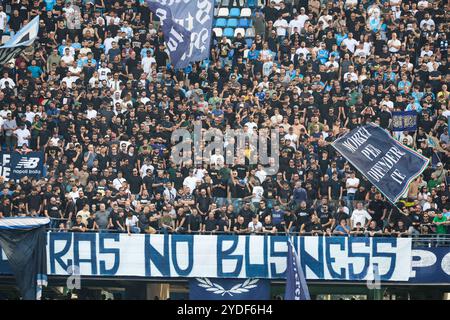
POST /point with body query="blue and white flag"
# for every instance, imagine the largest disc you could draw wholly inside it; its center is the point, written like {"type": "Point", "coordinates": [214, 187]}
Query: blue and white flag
{"type": "Point", "coordinates": [296, 287]}
{"type": "Point", "coordinates": [385, 162]}
{"type": "Point", "coordinates": [24, 241]}
{"type": "Point", "coordinates": [404, 120]}
{"type": "Point", "coordinates": [195, 16]}
{"type": "Point", "coordinates": [229, 289]}
{"type": "Point", "coordinates": [22, 39]}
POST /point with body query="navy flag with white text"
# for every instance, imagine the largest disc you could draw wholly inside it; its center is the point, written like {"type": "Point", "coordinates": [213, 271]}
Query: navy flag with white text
{"type": "Point", "coordinates": [296, 287]}
{"type": "Point", "coordinates": [385, 162]}
{"type": "Point", "coordinates": [192, 20]}
{"type": "Point", "coordinates": [176, 37]}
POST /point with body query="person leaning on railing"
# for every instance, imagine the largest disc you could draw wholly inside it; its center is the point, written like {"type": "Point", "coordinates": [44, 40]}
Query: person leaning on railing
{"type": "Point", "coordinates": [342, 229]}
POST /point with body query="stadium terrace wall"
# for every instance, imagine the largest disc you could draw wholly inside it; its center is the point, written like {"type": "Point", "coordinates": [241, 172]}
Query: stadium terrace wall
{"type": "Point", "coordinates": [222, 256]}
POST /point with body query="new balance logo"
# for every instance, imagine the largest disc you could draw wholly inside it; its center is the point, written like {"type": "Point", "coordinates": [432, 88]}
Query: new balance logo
{"type": "Point", "coordinates": [27, 163]}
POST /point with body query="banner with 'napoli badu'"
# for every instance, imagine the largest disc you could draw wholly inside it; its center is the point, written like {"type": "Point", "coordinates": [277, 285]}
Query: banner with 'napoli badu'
{"type": "Point", "coordinates": [386, 163]}
{"type": "Point", "coordinates": [16, 165]}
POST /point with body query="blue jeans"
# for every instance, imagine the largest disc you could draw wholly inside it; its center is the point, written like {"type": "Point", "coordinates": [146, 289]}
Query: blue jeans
{"type": "Point", "coordinates": [350, 199]}
{"type": "Point", "coordinates": [223, 61]}
{"type": "Point", "coordinates": [220, 201]}
{"type": "Point", "coordinates": [135, 229]}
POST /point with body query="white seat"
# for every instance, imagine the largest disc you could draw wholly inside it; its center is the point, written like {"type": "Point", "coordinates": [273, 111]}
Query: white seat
{"type": "Point", "coordinates": [246, 12]}
{"type": "Point", "coordinates": [239, 30]}
{"type": "Point", "coordinates": [250, 33]}
{"type": "Point", "coordinates": [218, 32]}
{"type": "Point", "coordinates": [223, 12]}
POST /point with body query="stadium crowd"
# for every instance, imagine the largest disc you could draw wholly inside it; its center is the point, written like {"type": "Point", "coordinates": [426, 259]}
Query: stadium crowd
{"type": "Point", "coordinates": [97, 94]}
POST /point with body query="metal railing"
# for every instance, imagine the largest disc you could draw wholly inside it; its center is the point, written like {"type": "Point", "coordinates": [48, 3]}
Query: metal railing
{"type": "Point", "coordinates": [425, 240]}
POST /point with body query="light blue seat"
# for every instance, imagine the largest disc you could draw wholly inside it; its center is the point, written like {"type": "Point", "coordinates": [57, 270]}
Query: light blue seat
{"type": "Point", "coordinates": [221, 23]}
{"type": "Point", "coordinates": [232, 23]}
{"type": "Point", "coordinates": [228, 32]}
{"type": "Point", "coordinates": [235, 12]}
{"type": "Point", "coordinates": [244, 23]}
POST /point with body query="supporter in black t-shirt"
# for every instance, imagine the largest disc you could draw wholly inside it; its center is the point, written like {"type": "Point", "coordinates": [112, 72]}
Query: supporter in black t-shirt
{"type": "Point", "coordinates": [289, 222]}
{"type": "Point", "coordinates": [78, 226]}
{"type": "Point", "coordinates": [195, 221]}
{"type": "Point", "coordinates": [312, 227]}
{"type": "Point", "coordinates": [210, 223]}
{"type": "Point", "coordinates": [373, 230]}
{"type": "Point", "coordinates": [240, 226]}
{"type": "Point", "coordinates": [377, 209]}
{"type": "Point", "coordinates": [358, 230]}
{"type": "Point", "coordinates": [223, 224]}
{"type": "Point", "coordinates": [268, 227]}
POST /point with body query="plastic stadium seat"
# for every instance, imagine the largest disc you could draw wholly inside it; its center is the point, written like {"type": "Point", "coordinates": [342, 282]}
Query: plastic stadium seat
{"type": "Point", "coordinates": [225, 3]}
{"type": "Point", "coordinates": [244, 23]}
{"type": "Point", "coordinates": [235, 12]}
{"type": "Point", "coordinates": [232, 23]}
{"type": "Point", "coordinates": [218, 32]}
{"type": "Point", "coordinates": [251, 3]}
{"type": "Point", "coordinates": [223, 12]}
{"type": "Point", "coordinates": [239, 30]}
{"type": "Point", "coordinates": [249, 42]}
{"type": "Point", "coordinates": [250, 33]}
{"type": "Point", "coordinates": [221, 23]}
{"type": "Point", "coordinates": [228, 32]}
{"type": "Point", "coordinates": [246, 13]}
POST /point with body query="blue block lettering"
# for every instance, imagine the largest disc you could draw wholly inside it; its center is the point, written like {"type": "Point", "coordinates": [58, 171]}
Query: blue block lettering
{"type": "Point", "coordinates": [114, 251]}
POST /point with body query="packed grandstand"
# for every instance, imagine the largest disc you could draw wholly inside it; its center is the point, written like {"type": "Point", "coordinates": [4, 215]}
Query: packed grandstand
{"type": "Point", "coordinates": [98, 96]}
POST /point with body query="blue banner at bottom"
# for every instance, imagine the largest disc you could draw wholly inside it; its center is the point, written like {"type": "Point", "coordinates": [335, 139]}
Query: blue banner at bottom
{"type": "Point", "coordinates": [431, 265]}
{"type": "Point", "coordinates": [229, 289]}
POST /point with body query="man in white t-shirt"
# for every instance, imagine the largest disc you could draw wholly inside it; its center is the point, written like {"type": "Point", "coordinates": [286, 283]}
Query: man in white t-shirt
{"type": "Point", "coordinates": [103, 72]}
{"type": "Point", "coordinates": [387, 102]}
{"type": "Point", "coordinates": [427, 22]}
{"type": "Point", "coordinates": [302, 50]}
{"type": "Point", "coordinates": [261, 174]}
{"type": "Point", "coordinates": [6, 81]}
{"type": "Point", "coordinates": [351, 73]}
{"type": "Point", "coordinates": [350, 42]}
{"type": "Point", "coordinates": [147, 62]}
{"type": "Point", "coordinates": [90, 112]}
{"type": "Point", "coordinates": [67, 58]}
{"type": "Point", "coordinates": [190, 181]}
{"type": "Point", "coordinates": [3, 22]}
{"type": "Point", "coordinates": [295, 23]}
{"type": "Point", "coordinates": [281, 25]}
{"type": "Point", "coordinates": [302, 18]}
{"type": "Point", "coordinates": [23, 135]}
{"type": "Point", "coordinates": [394, 44]}
{"type": "Point", "coordinates": [352, 185]}
{"type": "Point", "coordinates": [131, 224]}
{"type": "Point", "coordinates": [360, 215]}
{"type": "Point", "coordinates": [119, 181]}
{"type": "Point", "coordinates": [251, 124]}
{"type": "Point", "coordinates": [257, 193]}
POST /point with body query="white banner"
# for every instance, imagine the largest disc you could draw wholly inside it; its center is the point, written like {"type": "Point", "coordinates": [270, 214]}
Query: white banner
{"type": "Point", "coordinates": [327, 258]}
